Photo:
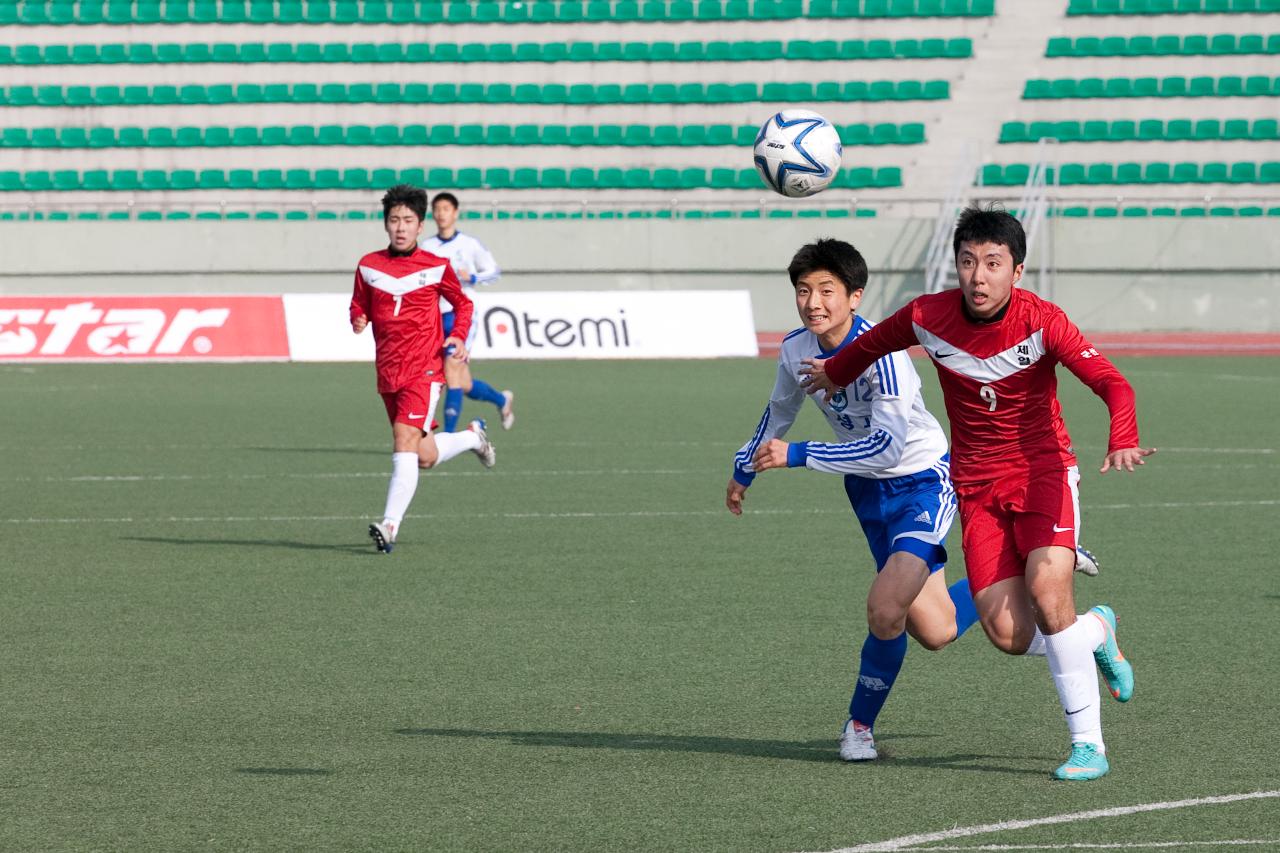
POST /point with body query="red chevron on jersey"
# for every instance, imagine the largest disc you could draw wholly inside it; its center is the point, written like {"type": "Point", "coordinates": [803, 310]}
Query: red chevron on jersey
{"type": "Point", "coordinates": [400, 295]}
{"type": "Point", "coordinates": [998, 380]}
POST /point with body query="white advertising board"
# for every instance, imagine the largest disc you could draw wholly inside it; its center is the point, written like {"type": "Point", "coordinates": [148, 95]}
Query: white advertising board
{"type": "Point", "coordinates": [567, 324]}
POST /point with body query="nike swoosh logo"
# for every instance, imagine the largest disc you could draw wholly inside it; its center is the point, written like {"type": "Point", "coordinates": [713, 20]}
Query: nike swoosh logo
{"type": "Point", "coordinates": [1057, 529]}
{"type": "Point", "coordinates": [414, 417]}
{"type": "Point", "coordinates": [940, 355]}
{"type": "Point", "coordinates": [1077, 711]}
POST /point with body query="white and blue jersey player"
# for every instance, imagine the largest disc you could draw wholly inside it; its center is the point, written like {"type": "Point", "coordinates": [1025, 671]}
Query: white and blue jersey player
{"type": "Point", "coordinates": [474, 265]}
{"type": "Point", "coordinates": [893, 455]}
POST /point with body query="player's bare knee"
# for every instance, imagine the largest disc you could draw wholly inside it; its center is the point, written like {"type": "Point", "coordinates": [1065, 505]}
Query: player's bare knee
{"type": "Point", "coordinates": [885, 621]}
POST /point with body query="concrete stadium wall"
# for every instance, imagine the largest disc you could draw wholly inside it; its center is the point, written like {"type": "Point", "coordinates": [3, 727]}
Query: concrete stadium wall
{"type": "Point", "coordinates": [1112, 275]}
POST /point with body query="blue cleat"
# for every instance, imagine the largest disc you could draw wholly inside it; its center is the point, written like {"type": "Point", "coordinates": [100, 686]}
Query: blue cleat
{"type": "Point", "coordinates": [1085, 763]}
{"type": "Point", "coordinates": [1117, 671]}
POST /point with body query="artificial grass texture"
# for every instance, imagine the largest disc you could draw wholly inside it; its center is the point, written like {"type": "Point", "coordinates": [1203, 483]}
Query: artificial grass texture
{"type": "Point", "coordinates": [580, 650]}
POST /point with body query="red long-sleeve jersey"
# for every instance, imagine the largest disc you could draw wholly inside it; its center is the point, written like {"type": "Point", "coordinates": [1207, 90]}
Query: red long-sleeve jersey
{"type": "Point", "coordinates": [998, 380]}
{"type": "Point", "coordinates": [400, 294]}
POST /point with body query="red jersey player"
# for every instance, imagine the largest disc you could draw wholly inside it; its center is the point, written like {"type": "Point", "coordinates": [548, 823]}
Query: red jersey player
{"type": "Point", "coordinates": [995, 347]}
{"type": "Point", "coordinates": [397, 291]}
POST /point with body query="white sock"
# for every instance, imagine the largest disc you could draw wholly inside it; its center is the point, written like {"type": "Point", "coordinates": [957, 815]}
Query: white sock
{"type": "Point", "coordinates": [404, 482]}
{"type": "Point", "coordinates": [450, 444]}
{"type": "Point", "coordinates": [1070, 655]}
{"type": "Point", "coordinates": [1037, 644]}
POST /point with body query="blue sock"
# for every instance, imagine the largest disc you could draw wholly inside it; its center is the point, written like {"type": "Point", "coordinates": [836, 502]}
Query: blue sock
{"type": "Point", "coordinates": [483, 391]}
{"type": "Point", "coordinates": [452, 408]}
{"type": "Point", "coordinates": [881, 661]}
{"type": "Point", "coordinates": [966, 612]}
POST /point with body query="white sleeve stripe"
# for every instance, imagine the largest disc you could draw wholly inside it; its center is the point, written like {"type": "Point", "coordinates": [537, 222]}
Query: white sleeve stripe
{"type": "Point", "coordinates": [851, 451]}
{"type": "Point", "coordinates": [748, 452]}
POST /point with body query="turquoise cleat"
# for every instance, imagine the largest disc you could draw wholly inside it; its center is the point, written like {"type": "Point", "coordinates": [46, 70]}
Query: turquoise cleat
{"type": "Point", "coordinates": [1084, 764]}
{"type": "Point", "coordinates": [1117, 671]}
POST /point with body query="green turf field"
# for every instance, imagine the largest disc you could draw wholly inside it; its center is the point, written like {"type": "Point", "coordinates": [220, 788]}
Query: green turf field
{"type": "Point", "coordinates": [581, 650]}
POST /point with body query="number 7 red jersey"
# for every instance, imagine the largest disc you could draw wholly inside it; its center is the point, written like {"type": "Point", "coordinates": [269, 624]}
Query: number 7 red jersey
{"type": "Point", "coordinates": [998, 380]}
{"type": "Point", "coordinates": [400, 294]}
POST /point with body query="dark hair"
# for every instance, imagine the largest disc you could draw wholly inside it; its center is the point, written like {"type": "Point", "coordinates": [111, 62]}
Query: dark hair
{"type": "Point", "coordinates": [991, 225]}
{"type": "Point", "coordinates": [836, 257]}
{"type": "Point", "coordinates": [408, 196]}
{"type": "Point", "coordinates": [449, 197]}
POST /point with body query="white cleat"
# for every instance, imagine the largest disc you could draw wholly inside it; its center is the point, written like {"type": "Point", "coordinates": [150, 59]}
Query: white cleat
{"type": "Point", "coordinates": [1086, 563]}
{"type": "Point", "coordinates": [383, 535]}
{"type": "Point", "coordinates": [485, 450]}
{"type": "Point", "coordinates": [857, 744]}
{"type": "Point", "coordinates": [508, 410]}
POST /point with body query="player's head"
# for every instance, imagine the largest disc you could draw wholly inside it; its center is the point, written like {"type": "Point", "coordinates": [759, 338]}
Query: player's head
{"type": "Point", "coordinates": [990, 247]}
{"type": "Point", "coordinates": [829, 277]}
{"type": "Point", "coordinates": [444, 210]}
{"type": "Point", "coordinates": [403, 210]}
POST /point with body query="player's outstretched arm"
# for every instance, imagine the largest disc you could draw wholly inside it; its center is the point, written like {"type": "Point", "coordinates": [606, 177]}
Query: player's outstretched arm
{"type": "Point", "coordinates": [1125, 459]}
{"type": "Point", "coordinates": [733, 496]}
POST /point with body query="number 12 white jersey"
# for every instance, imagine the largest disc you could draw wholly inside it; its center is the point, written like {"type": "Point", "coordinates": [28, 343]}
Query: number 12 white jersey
{"type": "Point", "coordinates": [881, 425]}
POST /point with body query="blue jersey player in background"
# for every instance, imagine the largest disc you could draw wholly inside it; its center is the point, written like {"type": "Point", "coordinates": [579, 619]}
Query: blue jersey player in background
{"type": "Point", "coordinates": [474, 265]}
{"type": "Point", "coordinates": [894, 458]}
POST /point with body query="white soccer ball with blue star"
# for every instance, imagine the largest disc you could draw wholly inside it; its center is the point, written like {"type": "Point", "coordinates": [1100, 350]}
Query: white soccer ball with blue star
{"type": "Point", "coordinates": [797, 152]}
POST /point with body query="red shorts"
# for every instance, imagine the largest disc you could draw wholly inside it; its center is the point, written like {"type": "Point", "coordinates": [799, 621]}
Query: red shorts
{"type": "Point", "coordinates": [1005, 520]}
{"type": "Point", "coordinates": [413, 404]}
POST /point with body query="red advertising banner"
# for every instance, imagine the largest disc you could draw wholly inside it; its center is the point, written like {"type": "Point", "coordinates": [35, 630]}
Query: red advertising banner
{"type": "Point", "coordinates": [142, 328]}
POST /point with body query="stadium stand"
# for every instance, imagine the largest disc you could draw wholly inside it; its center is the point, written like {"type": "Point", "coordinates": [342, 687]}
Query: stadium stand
{"type": "Point", "coordinates": [545, 107]}
{"type": "Point", "coordinates": [348, 12]}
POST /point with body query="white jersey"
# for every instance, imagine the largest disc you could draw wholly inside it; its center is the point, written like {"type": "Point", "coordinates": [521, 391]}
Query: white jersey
{"type": "Point", "coordinates": [466, 253]}
{"type": "Point", "coordinates": [881, 426]}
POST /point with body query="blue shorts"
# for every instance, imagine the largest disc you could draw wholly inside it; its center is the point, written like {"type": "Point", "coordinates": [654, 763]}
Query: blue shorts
{"type": "Point", "coordinates": [912, 513]}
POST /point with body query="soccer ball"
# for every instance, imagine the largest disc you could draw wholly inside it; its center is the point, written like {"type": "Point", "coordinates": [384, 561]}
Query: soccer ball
{"type": "Point", "coordinates": [797, 152]}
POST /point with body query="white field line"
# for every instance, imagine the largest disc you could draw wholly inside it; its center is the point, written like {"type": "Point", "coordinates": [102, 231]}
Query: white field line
{"type": "Point", "coordinates": [590, 514]}
{"type": "Point", "coordinates": [907, 842]}
{"type": "Point", "coordinates": [1126, 845]}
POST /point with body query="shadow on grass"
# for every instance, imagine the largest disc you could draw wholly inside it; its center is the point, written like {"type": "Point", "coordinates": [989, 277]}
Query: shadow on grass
{"type": "Point", "coordinates": [284, 771]}
{"type": "Point", "coordinates": [343, 451]}
{"type": "Point", "coordinates": [820, 751]}
{"type": "Point", "coordinates": [364, 550]}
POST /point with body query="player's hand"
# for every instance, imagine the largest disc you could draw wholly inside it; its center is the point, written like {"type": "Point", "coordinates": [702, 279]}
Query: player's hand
{"type": "Point", "coordinates": [771, 454]}
{"type": "Point", "coordinates": [1125, 459]}
{"type": "Point", "coordinates": [459, 352]}
{"type": "Point", "coordinates": [733, 496]}
{"type": "Point", "coordinates": [464, 276]}
{"type": "Point", "coordinates": [358, 324]}
{"type": "Point", "coordinates": [817, 380]}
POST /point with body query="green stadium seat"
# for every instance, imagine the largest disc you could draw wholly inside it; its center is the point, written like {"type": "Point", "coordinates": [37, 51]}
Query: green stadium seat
{"type": "Point", "coordinates": [1207, 129]}
{"type": "Point", "coordinates": [45, 137]}
{"type": "Point", "coordinates": [297, 179]}
{"type": "Point", "coordinates": [37, 181]}
{"type": "Point", "coordinates": [1123, 131]}
{"type": "Point", "coordinates": [1156, 173]}
{"type": "Point", "coordinates": [216, 136]}
{"type": "Point", "coordinates": [329, 134]}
